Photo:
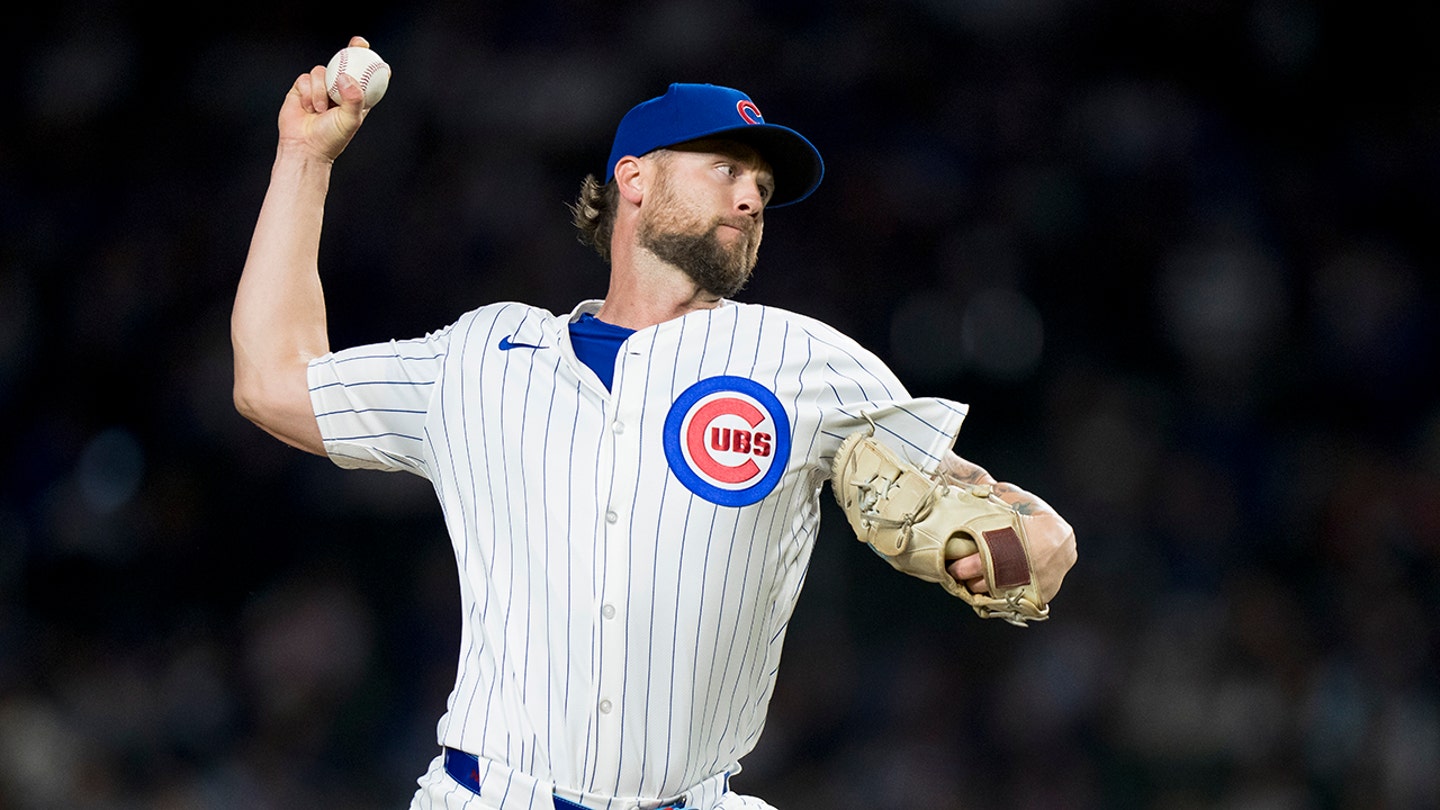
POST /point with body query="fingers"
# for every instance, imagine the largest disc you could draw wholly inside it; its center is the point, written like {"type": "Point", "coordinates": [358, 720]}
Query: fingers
{"type": "Point", "coordinates": [317, 98]}
{"type": "Point", "coordinates": [971, 571]}
{"type": "Point", "coordinates": [968, 567]}
{"type": "Point", "coordinates": [301, 90]}
{"type": "Point", "coordinates": [359, 42]}
{"type": "Point", "coordinates": [310, 87]}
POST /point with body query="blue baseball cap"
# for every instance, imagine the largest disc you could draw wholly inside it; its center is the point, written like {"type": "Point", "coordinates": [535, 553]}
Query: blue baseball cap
{"type": "Point", "coordinates": [689, 112]}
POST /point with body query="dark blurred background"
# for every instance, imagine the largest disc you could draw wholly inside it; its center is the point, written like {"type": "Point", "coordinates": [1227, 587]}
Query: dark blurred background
{"type": "Point", "coordinates": [1178, 256]}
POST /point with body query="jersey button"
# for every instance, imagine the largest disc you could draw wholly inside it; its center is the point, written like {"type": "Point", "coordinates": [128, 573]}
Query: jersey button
{"type": "Point", "coordinates": [611, 517]}
{"type": "Point", "coordinates": [605, 707]}
{"type": "Point", "coordinates": [618, 427]}
{"type": "Point", "coordinates": [608, 611]}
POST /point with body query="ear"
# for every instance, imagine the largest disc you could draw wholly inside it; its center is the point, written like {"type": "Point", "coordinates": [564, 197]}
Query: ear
{"type": "Point", "coordinates": [630, 179]}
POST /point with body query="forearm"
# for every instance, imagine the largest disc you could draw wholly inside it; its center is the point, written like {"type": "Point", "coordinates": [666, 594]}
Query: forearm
{"type": "Point", "coordinates": [965, 471]}
{"type": "Point", "coordinates": [278, 322]}
{"type": "Point", "coordinates": [968, 472]}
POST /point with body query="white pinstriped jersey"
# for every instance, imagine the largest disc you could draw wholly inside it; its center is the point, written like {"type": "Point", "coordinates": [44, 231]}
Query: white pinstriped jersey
{"type": "Point", "coordinates": [628, 561]}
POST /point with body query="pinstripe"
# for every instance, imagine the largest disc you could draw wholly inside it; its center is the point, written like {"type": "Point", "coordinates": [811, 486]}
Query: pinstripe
{"type": "Point", "coordinates": [549, 707]}
{"type": "Point", "coordinates": [597, 554]}
{"type": "Point", "coordinates": [479, 611]}
{"type": "Point", "coordinates": [650, 611]}
{"type": "Point", "coordinates": [689, 505]}
{"type": "Point", "coordinates": [569, 591]}
{"type": "Point", "coordinates": [527, 453]}
{"type": "Point", "coordinates": [500, 460]}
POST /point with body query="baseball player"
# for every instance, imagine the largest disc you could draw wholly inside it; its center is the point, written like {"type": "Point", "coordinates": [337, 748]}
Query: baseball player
{"type": "Point", "coordinates": [631, 488]}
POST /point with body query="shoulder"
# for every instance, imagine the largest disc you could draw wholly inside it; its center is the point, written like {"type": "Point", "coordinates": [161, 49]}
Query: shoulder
{"type": "Point", "coordinates": [503, 315]}
{"type": "Point", "coordinates": [821, 337]}
{"type": "Point", "coordinates": [806, 324]}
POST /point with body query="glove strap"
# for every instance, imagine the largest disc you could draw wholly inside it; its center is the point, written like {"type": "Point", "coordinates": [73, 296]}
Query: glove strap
{"type": "Point", "coordinates": [1007, 555]}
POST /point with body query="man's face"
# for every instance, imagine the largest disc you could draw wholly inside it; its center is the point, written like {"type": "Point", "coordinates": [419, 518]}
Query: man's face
{"type": "Point", "coordinates": [704, 212]}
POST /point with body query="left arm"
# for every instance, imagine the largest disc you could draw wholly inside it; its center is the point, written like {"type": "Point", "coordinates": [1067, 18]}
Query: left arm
{"type": "Point", "coordinates": [1052, 540]}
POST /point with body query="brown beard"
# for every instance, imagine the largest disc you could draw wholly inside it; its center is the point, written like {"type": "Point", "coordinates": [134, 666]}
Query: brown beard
{"type": "Point", "coordinates": [716, 269]}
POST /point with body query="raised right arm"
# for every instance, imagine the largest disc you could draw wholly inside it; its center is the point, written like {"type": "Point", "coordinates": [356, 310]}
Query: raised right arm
{"type": "Point", "coordinates": [277, 324]}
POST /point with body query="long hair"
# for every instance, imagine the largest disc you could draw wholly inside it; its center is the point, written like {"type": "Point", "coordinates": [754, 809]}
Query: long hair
{"type": "Point", "coordinates": [593, 213]}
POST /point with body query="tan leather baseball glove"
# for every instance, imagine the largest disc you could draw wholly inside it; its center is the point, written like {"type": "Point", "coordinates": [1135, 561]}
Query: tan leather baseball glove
{"type": "Point", "coordinates": [919, 523]}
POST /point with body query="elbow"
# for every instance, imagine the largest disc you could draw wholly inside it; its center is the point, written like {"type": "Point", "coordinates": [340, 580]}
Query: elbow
{"type": "Point", "coordinates": [248, 395]}
{"type": "Point", "coordinates": [258, 403]}
{"type": "Point", "coordinates": [246, 403]}
{"type": "Point", "coordinates": [265, 392]}
{"type": "Point", "coordinates": [280, 408]}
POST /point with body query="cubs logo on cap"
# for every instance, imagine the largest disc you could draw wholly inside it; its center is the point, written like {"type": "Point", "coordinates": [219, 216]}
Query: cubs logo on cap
{"type": "Point", "coordinates": [688, 112]}
{"type": "Point", "coordinates": [727, 439]}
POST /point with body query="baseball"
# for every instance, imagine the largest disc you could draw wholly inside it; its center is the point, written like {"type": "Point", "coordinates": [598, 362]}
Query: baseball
{"type": "Point", "coordinates": [366, 67]}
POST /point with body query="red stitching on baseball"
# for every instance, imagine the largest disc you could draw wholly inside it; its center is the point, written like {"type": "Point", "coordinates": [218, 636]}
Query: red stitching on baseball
{"type": "Point", "coordinates": [363, 79]}
{"type": "Point", "coordinates": [339, 69]}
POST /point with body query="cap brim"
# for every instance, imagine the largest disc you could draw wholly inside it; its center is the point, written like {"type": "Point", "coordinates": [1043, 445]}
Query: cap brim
{"type": "Point", "coordinates": [795, 161]}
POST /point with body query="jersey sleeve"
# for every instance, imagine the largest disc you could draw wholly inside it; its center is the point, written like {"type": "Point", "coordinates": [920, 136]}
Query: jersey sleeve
{"type": "Point", "coordinates": [865, 392]}
{"type": "Point", "coordinates": [371, 402]}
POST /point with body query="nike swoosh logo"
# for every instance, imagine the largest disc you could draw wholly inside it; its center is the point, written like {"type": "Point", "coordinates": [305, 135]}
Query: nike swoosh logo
{"type": "Point", "coordinates": [506, 345]}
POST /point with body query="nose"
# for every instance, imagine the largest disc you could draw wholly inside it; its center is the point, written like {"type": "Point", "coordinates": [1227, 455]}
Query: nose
{"type": "Point", "coordinates": [748, 199]}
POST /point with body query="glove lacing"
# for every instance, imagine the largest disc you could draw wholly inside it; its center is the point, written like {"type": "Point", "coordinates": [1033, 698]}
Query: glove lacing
{"type": "Point", "coordinates": [870, 496]}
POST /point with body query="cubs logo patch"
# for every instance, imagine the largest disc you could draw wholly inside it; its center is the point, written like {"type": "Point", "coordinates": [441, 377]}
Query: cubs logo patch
{"type": "Point", "coordinates": [727, 439]}
{"type": "Point", "coordinates": [749, 111]}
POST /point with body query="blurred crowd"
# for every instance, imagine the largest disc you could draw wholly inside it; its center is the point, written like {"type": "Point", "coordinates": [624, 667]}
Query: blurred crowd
{"type": "Point", "coordinates": [1177, 256]}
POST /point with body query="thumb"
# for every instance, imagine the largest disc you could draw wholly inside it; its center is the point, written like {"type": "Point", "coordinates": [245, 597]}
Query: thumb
{"type": "Point", "coordinates": [352, 96]}
{"type": "Point", "coordinates": [351, 112]}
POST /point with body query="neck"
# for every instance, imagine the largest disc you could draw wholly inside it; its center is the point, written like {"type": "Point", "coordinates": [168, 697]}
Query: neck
{"type": "Point", "coordinates": [645, 291]}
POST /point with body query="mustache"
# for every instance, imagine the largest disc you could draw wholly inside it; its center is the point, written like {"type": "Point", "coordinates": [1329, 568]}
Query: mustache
{"type": "Point", "coordinates": [745, 224]}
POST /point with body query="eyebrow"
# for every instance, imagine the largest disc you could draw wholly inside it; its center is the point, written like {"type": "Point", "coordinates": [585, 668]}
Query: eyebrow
{"type": "Point", "coordinates": [732, 149]}
{"type": "Point", "coordinates": [752, 159]}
